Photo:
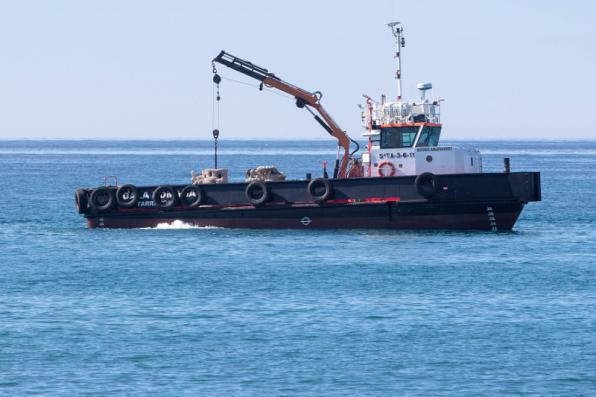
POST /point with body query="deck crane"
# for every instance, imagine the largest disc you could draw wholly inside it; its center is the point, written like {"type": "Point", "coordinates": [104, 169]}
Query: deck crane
{"type": "Point", "coordinates": [304, 99]}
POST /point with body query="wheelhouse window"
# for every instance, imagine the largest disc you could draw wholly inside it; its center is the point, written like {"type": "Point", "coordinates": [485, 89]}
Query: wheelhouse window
{"type": "Point", "coordinates": [429, 136]}
{"type": "Point", "coordinates": [398, 137]}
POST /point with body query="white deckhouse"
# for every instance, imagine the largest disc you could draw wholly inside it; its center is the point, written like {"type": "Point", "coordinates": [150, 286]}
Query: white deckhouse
{"type": "Point", "coordinates": [403, 137]}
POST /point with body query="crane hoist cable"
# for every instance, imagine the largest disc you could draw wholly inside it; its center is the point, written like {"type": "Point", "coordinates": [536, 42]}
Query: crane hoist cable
{"type": "Point", "coordinates": [215, 103]}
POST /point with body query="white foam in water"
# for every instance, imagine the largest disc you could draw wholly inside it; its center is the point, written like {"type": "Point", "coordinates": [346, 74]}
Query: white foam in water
{"type": "Point", "coordinates": [178, 224]}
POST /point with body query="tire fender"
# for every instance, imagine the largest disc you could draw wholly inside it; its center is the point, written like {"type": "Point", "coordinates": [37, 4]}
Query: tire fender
{"type": "Point", "coordinates": [317, 184]}
{"type": "Point", "coordinates": [167, 202]}
{"type": "Point", "coordinates": [253, 187]}
{"type": "Point", "coordinates": [82, 201]}
{"type": "Point", "coordinates": [133, 196]}
{"type": "Point", "coordinates": [426, 184]}
{"type": "Point", "coordinates": [99, 194]}
{"type": "Point", "coordinates": [193, 202]}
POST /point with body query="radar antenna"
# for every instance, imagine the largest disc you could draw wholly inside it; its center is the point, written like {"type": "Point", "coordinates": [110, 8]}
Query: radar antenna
{"type": "Point", "coordinates": [400, 43]}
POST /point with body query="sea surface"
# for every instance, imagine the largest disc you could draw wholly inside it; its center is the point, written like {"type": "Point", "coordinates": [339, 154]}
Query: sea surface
{"type": "Point", "coordinates": [182, 311]}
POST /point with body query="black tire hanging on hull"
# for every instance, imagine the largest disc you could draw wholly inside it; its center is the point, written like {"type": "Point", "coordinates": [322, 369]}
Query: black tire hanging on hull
{"type": "Point", "coordinates": [127, 196]}
{"type": "Point", "coordinates": [81, 201]}
{"type": "Point", "coordinates": [165, 197]}
{"type": "Point", "coordinates": [191, 202]}
{"type": "Point", "coordinates": [102, 199]}
{"type": "Point", "coordinates": [257, 193]}
{"type": "Point", "coordinates": [426, 184]}
{"type": "Point", "coordinates": [319, 190]}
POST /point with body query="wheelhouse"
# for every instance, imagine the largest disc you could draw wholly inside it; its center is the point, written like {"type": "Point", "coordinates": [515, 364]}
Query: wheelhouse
{"type": "Point", "coordinates": [397, 136]}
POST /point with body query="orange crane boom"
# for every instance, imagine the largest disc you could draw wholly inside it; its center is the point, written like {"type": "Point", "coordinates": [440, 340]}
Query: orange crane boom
{"type": "Point", "coordinates": [304, 98]}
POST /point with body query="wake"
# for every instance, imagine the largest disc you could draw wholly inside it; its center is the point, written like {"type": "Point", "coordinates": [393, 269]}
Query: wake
{"type": "Point", "coordinates": [178, 225]}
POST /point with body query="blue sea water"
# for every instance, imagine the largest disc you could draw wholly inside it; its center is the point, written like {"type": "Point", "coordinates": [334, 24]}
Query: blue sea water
{"type": "Point", "coordinates": [216, 312]}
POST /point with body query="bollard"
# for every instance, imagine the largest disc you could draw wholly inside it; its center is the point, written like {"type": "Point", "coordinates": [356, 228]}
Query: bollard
{"type": "Point", "coordinates": [507, 164]}
{"type": "Point", "coordinates": [308, 176]}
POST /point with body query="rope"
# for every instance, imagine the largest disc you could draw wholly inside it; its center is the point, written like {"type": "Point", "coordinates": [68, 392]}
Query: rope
{"type": "Point", "coordinates": [257, 86]}
{"type": "Point", "coordinates": [240, 82]}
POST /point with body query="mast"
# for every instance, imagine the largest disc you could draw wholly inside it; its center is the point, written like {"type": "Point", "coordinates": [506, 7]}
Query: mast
{"type": "Point", "coordinates": [400, 43]}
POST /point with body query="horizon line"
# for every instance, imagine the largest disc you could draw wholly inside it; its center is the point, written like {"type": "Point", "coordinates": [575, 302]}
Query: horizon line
{"type": "Point", "coordinates": [278, 139]}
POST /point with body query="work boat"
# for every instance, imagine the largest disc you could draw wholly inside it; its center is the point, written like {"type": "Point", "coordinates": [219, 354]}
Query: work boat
{"type": "Point", "coordinates": [402, 180]}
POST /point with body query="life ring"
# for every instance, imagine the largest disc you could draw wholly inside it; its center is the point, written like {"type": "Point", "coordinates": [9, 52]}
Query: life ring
{"type": "Point", "coordinates": [127, 196]}
{"type": "Point", "coordinates": [426, 184]}
{"type": "Point", "coordinates": [386, 164]}
{"type": "Point", "coordinates": [165, 197]}
{"type": "Point", "coordinates": [315, 192]}
{"type": "Point", "coordinates": [195, 199]}
{"type": "Point", "coordinates": [257, 193]}
{"type": "Point", "coordinates": [81, 201]}
{"type": "Point", "coordinates": [102, 199]}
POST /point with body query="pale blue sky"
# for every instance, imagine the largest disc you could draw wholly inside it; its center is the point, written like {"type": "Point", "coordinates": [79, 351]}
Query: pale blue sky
{"type": "Point", "coordinates": [141, 69]}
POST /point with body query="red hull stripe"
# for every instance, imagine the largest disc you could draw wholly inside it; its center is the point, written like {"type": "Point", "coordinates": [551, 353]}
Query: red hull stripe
{"type": "Point", "coordinates": [365, 200]}
{"type": "Point", "coordinates": [339, 201]}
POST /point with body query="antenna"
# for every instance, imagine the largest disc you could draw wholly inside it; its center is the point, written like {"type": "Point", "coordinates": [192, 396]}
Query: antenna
{"type": "Point", "coordinates": [400, 43]}
{"type": "Point", "coordinates": [423, 87]}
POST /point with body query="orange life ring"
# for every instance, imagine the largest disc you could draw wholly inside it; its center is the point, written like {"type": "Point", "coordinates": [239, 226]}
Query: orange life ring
{"type": "Point", "coordinates": [386, 164]}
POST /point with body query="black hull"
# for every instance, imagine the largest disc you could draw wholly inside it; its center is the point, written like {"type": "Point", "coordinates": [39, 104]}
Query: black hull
{"type": "Point", "coordinates": [390, 215]}
{"type": "Point", "coordinates": [491, 201]}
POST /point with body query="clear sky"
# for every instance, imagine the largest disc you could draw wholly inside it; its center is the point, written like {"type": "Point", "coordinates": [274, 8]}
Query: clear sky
{"type": "Point", "coordinates": [141, 69]}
